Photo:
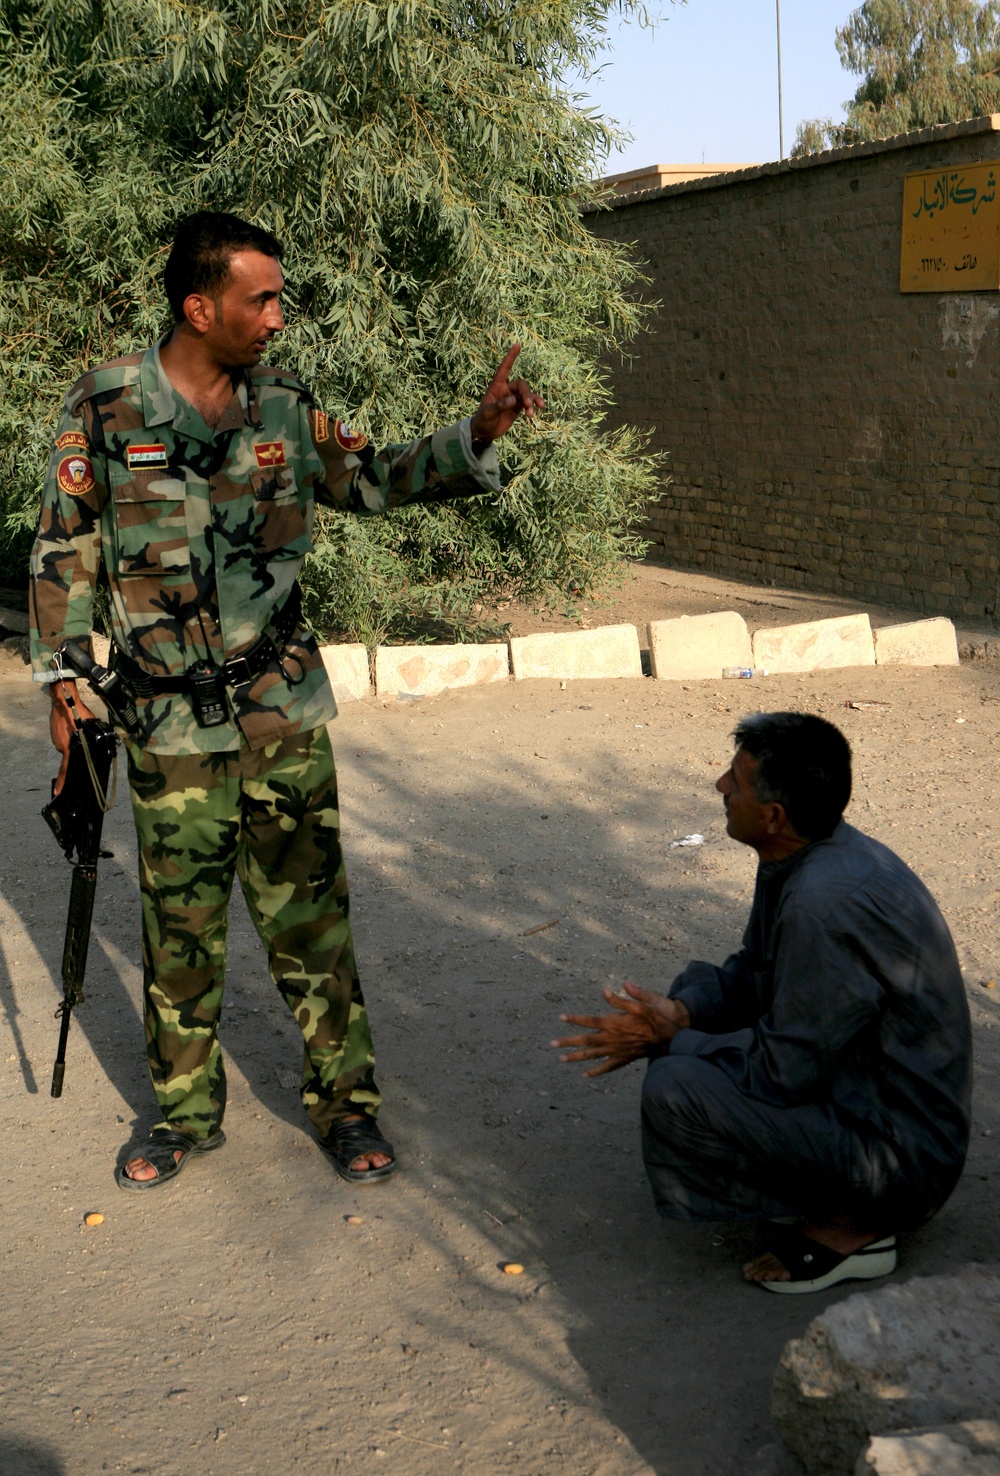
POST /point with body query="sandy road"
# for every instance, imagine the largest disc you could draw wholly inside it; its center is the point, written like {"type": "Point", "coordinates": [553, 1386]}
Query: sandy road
{"type": "Point", "coordinates": [233, 1323]}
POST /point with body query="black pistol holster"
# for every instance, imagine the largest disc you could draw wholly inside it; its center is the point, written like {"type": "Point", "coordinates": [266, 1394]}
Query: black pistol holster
{"type": "Point", "coordinates": [209, 687]}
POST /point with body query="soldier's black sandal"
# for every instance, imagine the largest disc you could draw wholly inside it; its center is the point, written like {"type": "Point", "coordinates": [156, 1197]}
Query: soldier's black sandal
{"type": "Point", "coordinates": [159, 1150]}
{"type": "Point", "coordinates": [347, 1141]}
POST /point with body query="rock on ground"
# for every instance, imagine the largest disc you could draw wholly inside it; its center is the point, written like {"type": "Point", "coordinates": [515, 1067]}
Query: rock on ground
{"type": "Point", "coordinates": [920, 1354]}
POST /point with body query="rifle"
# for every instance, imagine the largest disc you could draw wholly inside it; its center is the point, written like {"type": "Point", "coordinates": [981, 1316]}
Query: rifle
{"type": "Point", "coordinates": [76, 818]}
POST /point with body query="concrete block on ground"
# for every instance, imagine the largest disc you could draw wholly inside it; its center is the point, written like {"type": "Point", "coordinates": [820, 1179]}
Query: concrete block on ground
{"type": "Point", "coordinates": [919, 643]}
{"type": "Point", "coordinates": [15, 621]}
{"type": "Point", "coordinates": [347, 668]}
{"type": "Point", "coordinates": [904, 1357]}
{"type": "Point", "coordinates": [845, 640]}
{"type": "Point", "coordinates": [609, 651]}
{"type": "Point", "coordinates": [424, 671]}
{"type": "Point", "coordinates": [971, 1448]}
{"type": "Point", "coordinates": [698, 646]}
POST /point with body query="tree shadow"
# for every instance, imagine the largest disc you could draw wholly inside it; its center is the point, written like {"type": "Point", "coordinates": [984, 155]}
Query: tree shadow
{"type": "Point", "coordinates": [22, 1457]}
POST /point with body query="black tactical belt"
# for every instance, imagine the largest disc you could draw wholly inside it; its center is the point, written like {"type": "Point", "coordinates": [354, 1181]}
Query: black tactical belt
{"type": "Point", "coordinates": [237, 671]}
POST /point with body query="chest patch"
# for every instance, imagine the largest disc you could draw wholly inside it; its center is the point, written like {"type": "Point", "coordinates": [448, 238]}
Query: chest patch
{"type": "Point", "coordinates": [269, 454]}
{"type": "Point", "coordinates": [75, 475]}
{"type": "Point", "coordinates": [350, 440]}
{"type": "Point", "coordinates": [139, 457]}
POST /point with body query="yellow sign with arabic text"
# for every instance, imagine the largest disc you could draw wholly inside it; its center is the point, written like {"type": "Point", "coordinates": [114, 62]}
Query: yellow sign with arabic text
{"type": "Point", "coordinates": [951, 230]}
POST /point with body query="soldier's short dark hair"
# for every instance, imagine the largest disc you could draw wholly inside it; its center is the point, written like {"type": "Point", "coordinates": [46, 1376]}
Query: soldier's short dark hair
{"type": "Point", "coordinates": [803, 764]}
{"type": "Point", "coordinates": [203, 245]}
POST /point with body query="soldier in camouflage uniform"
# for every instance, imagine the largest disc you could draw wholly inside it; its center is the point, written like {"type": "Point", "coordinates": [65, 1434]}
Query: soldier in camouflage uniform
{"type": "Point", "coordinates": [190, 471]}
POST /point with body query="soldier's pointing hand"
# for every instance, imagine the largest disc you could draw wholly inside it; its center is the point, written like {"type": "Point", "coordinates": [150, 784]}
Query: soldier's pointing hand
{"type": "Point", "coordinates": [504, 401]}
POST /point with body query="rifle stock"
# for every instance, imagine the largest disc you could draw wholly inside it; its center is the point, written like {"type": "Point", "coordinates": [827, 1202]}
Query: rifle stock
{"type": "Point", "coordinates": [76, 818]}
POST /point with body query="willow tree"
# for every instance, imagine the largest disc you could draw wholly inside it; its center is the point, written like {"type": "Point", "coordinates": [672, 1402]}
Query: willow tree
{"type": "Point", "coordinates": [921, 62]}
{"type": "Point", "coordinates": [425, 163]}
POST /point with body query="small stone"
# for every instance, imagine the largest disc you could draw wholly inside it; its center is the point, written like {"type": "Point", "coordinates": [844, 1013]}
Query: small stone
{"type": "Point", "coordinates": [353, 1220]}
{"type": "Point", "coordinates": [513, 1268]}
{"type": "Point", "coordinates": [94, 1217]}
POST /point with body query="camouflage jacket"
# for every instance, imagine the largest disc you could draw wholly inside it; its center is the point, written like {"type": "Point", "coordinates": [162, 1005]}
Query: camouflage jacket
{"type": "Point", "coordinates": [202, 532]}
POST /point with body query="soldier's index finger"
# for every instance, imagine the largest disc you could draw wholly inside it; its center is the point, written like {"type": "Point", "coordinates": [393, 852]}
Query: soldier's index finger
{"type": "Point", "coordinates": [503, 373]}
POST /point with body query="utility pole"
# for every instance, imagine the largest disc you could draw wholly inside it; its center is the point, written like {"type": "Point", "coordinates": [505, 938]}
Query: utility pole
{"type": "Point", "coordinates": [781, 117]}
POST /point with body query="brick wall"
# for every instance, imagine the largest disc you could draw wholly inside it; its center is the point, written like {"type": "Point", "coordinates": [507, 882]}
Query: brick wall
{"type": "Point", "coordinates": [824, 430]}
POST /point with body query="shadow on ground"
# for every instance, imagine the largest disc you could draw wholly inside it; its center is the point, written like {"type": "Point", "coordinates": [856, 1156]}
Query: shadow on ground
{"type": "Point", "coordinates": [494, 887]}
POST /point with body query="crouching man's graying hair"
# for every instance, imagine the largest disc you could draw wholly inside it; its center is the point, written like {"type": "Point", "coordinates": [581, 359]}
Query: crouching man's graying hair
{"type": "Point", "coordinates": [803, 764]}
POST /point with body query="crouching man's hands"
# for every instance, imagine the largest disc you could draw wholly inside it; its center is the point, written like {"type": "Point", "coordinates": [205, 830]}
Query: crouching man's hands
{"type": "Point", "coordinates": [644, 1026]}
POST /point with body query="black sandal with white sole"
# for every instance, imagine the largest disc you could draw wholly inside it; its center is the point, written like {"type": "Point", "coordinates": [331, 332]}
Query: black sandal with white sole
{"type": "Point", "coordinates": [814, 1267]}
{"type": "Point", "coordinates": [347, 1141]}
{"type": "Point", "coordinates": [159, 1150]}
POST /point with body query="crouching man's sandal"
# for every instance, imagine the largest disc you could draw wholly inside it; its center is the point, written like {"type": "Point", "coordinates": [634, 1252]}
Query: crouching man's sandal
{"type": "Point", "coordinates": [814, 1267]}
{"type": "Point", "coordinates": [159, 1150]}
{"type": "Point", "coordinates": [347, 1141]}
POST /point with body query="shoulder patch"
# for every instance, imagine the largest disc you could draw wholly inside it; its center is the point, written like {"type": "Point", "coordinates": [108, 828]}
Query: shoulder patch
{"type": "Point", "coordinates": [349, 440]}
{"type": "Point", "coordinates": [75, 475]}
{"type": "Point", "coordinates": [72, 439]}
{"type": "Point", "coordinates": [320, 426]}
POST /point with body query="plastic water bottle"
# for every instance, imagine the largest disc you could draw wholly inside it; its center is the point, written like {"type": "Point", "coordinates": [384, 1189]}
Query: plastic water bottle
{"type": "Point", "coordinates": [744, 672]}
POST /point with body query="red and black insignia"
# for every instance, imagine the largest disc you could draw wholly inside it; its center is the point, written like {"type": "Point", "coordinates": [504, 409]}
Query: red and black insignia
{"type": "Point", "coordinates": [72, 440]}
{"type": "Point", "coordinates": [320, 426]}
{"type": "Point", "coordinates": [348, 439]}
{"type": "Point", "coordinates": [75, 475]}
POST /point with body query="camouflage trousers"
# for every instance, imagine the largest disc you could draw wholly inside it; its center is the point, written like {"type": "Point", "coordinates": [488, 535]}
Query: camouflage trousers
{"type": "Point", "coordinates": [270, 818]}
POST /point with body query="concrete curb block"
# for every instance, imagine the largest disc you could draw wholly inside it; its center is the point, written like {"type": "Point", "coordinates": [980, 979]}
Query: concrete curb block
{"type": "Point", "coordinates": [696, 647]}
{"type": "Point", "coordinates": [816, 645]}
{"type": "Point", "coordinates": [608, 652]}
{"type": "Point", "coordinates": [347, 668]}
{"type": "Point", "coordinates": [424, 671]}
{"type": "Point", "coordinates": [688, 648]}
{"type": "Point", "coordinates": [919, 643]}
{"type": "Point", "coordinates": [15, 621]}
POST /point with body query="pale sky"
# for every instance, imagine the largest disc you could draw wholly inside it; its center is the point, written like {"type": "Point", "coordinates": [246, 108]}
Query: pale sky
{"type": "Point", "coordinates": [703, 86]}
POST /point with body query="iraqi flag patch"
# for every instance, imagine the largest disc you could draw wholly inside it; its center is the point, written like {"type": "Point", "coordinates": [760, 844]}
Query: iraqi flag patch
{"type": "Point", "coordinates": [269, 454]}
{"type": "Point", "coordinates": [152, 457]}
{"type": "Point", "coordinates": [350, 440]}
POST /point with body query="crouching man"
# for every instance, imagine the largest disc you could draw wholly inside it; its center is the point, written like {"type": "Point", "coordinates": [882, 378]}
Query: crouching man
{"type": "Point", "coordinates": [822, 1074]}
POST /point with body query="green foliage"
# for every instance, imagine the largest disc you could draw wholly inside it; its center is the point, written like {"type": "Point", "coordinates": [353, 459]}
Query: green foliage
{"type": "Point", "coordinates": [922, 61]}
{"type": "Point", "coordinates": [425, 164]}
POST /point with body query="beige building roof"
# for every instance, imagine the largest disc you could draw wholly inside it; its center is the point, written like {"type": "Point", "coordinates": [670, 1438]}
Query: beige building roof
{"type": "Point", "coordinates": [657, 176]}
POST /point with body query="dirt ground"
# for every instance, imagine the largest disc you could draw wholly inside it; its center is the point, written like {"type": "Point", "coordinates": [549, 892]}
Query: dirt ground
{"type": "Point", "coordinates": [510, 853]}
